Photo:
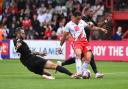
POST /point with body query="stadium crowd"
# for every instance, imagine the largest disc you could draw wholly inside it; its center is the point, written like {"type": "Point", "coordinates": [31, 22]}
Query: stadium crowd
{"type": "Point", "coordinates": [45, 19]}
{"type": "Point", "coordinates": [121, 5]}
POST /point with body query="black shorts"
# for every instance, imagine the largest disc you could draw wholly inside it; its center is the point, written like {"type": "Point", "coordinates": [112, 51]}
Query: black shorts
{"type": "Point", "coordinates": [36, 64]}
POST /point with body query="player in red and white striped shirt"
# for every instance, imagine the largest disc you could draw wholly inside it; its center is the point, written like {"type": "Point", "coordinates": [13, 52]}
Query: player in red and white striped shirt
{"type": "Point", "coordinates": [76, 28]}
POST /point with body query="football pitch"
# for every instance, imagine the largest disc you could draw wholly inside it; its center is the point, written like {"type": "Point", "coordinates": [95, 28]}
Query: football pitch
{"type": "Point", "coordinates": [13, 75]}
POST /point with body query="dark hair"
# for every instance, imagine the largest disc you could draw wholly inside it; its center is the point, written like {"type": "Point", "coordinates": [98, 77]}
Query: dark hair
{"type": "Point", "coordinates": [19, 30]}
{"type": "Point", "coordinates": [76, 14]}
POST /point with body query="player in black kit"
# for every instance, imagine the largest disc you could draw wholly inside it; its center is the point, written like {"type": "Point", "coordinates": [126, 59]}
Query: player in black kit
{"type": "Point", "coordinates": [33, 62]}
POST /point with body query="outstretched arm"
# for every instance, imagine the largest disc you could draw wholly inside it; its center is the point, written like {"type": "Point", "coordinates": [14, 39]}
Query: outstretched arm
{"type": "Point", "coordinates": [95, 28]}
{"type": "Point", "coordinates": [64, 38]}
{"type": "Point", "coordinates": [39, 53]}
{"type": "Point", "coordinates": [99, 28]}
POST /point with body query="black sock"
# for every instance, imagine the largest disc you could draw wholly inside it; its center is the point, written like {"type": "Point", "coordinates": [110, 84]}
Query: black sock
{"type": "Point", "coordinates": [69, 61]}
{"type": "Point", "coordinates": [93, 64]}
{"type": "Point", "coordinates": [63, 70]}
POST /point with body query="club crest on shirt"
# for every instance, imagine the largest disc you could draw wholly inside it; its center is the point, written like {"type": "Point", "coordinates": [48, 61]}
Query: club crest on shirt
{"type": "Point", "coordinates": [76, 28]}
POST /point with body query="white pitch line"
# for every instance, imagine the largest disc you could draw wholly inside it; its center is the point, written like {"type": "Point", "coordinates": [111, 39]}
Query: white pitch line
{"type": "Point", "coordinates": [20, 74]}
{"type": "Point", "coordinates": [116, 73]}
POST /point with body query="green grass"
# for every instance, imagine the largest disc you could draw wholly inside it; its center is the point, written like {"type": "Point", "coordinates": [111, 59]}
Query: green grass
{"type": "Point", "coordinates": [13, 75]}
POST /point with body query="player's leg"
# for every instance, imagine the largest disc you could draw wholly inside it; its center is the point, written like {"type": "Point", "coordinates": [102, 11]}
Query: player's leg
{"type": "Point", "coordinates": [93, 64]}
{"type": "Point", "coordinates": [46, 72]}
{"type": "Point", "coordinates": [69, 61]}
{"type": "Point", "coordinates": [71, 58]}
{"type": "Point", "coordinates": [47, 75]}
{"type": "Point", "coordinates": [88, 56]}
{"type": "Point", "coordinates": [94, 68]}
{"type": "Point", "coordinates": [78, 62]}
{"type": "Point", "coordinates": [51, 65]}
{"type": "Point", "coordinates": [87, 59]}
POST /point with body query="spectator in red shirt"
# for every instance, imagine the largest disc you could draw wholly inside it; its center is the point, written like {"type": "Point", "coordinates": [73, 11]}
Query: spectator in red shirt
{"type": "Point", "coordinates": [48, 32]}
{"type": "Point", "coordinates": [26, 23]}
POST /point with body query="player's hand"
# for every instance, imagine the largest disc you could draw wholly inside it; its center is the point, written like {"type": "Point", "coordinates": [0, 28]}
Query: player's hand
{"type": "Point", "coordinates": [43, 54]}
{"type": "Point", "coordinates": [90, 24]}
{"type": "Point", "coordinates": [59, 50]}
{"type": "Point", "coordinates": [104, 30]}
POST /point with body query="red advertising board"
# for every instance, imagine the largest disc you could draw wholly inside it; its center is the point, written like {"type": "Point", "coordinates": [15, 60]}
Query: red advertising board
{"type": "Point", "coordinates": [109, 50]}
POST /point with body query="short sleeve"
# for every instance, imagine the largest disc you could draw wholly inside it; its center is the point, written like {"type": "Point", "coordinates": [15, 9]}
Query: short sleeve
{"type": "Point", "coordinates": [85, 24]}
{"type": "Point", "coordinates": [17, 43]}
{"type": "Point", "coordinates": [67, 28]}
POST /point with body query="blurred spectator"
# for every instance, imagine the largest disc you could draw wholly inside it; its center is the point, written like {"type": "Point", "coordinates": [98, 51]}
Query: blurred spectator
{"type": "Point", "coordinates": [31, 33]}
{"type": "Point", "coordinates": [14, 6]}
{"type": "Point", "coordinates": [28, 3]}
{"type": "Point", "coordinates": [61, 28]}
{"type": "Point", "coordinates": [27, 10]}
{"type": "Point", "coordinates": [14, 21]}
{"type": "Point", "coordinates": [34, 9]}
{"type": "Point", "coordinates": [5, 32]}
{"type": "Point", "coordinates": [64, 11]}
{"type": "Point", "coordinates": [42, 8]}
{"type": "Point", "coordinates": [120, 4]}
{"type": "Point", "coordinates": [108, 26]}
{"type": "Point", "coordinates": [21, 14]}
{"type": "Point", "coordinates": [54, 22]}
{"type": "Point", "coordinates": [58, 10]}
{"type": "Point", "coordinates": [41, 19]}
{"type": "Point", "coordinates": [50, 8]}
{"type": "Point", "coordinates": [35, 22]}
{"type": "Point", "coordinates": [6, 12]}
{"type": "Point", "coordinates": [53, 36]}
{"type": "Point", "coordinates": [19, 22]}
{"type": "Point", "coordinates": [42, 15]}
{"type": "Point", "coordinates": [5, 21]}
{"type": "Point", "coordinates": [77, 6]}
{"type": "Point", "coordinates": [21, 4]}
{"type": "Point", "coordinates": [12, 31]}
{"type": "Point", "coordinates": [98, 9]}
{"type": "Point", "coordinates": [13, 15]}
{"type": "Point", "coordinates": [69, 4]}
{"type": "Point", "coordinates": [48, 16]}
{"type": "Point", "coordinates": [117, 35]}
{"type": "Point", "coordinates": [39, 32]}
{"type": "Point", "coordinates": [6, 3]}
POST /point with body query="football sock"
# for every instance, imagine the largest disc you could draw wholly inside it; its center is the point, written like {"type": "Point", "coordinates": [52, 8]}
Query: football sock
{"type": "Point", "coordinates": [78, 65]}
{"type": "Point", "coordinates": [69, 61]}
{"type": "Point", "coordinates": [84, 66]}
{"type": "Point", "coordinates": [63, 70]}
{"type": "Point", "coordinates": [93, 64]}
